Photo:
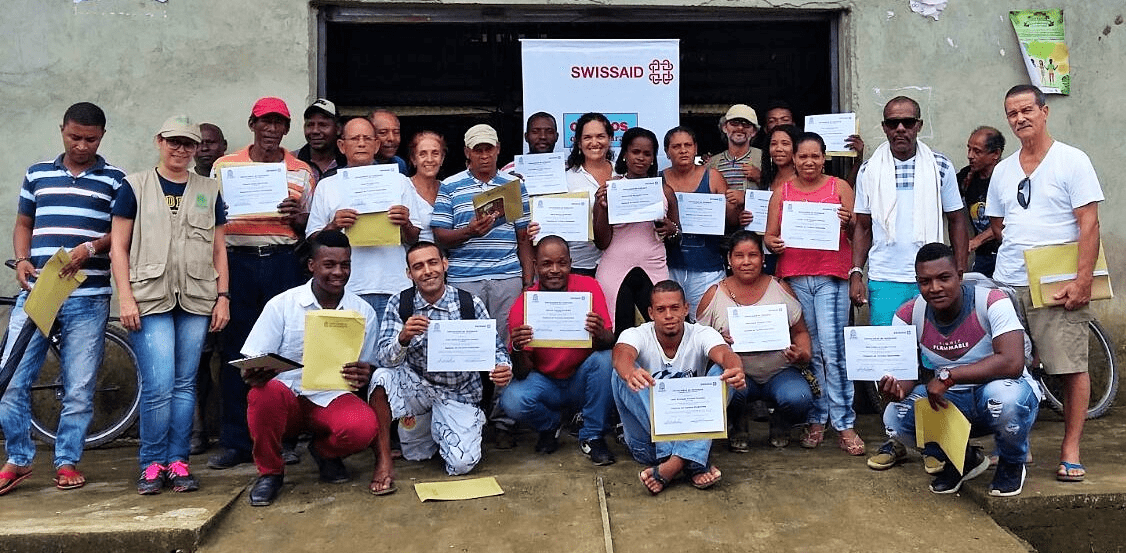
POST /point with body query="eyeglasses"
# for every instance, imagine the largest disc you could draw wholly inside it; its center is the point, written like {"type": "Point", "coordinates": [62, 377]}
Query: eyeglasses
{"type": "Point", "coordinates": [174, 144]}
{"type": "Point", "coordinates": [361, 138]}
{"type": "Point", "coordinates": [1024, 192]}
{"type": "Point", "coordinates": [907, 122]}
{"type": "Point", "coordinates": [740, 123]}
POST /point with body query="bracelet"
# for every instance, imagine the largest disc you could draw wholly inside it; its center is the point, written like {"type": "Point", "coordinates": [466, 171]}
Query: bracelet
{"type": "Point", "coordinates": [22, 259]}
{"type": "Point", "coordinates": [90, 248]}
{"type": "Point", "coordinates": [855, 270]}
{"type": "Point", "coordinates": [224, 295]}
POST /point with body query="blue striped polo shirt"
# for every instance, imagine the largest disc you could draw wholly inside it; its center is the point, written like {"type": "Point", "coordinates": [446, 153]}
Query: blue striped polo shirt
{"type": "Point", "coordinates": [492, 256]}
{"type": "Point", "coordinates": [68, 211]}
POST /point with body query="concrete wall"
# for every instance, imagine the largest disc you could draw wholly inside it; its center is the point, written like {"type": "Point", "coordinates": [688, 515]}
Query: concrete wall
{"type": "Point", "coordinates": [143, 60]}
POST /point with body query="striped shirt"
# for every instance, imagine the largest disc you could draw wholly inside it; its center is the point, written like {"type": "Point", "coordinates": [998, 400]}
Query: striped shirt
{"type": "Point", "coordinates": [264, 230]}
{"type": "Point", "coordinates": [492, 256]}
{"type": "Point", "coordinates": [732, 168]}
{"type": "Point", "coordinates": [69, 210]}
{"type": "Point", "coordinates": [464, 387]}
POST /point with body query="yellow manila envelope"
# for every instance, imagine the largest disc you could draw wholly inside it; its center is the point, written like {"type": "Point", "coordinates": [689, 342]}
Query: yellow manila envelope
{"type": "Point", "coordinates": [333, 338]}
{"type": "Point", "coordinates": [947, 427]}
{"type": "Point", "coordinates": [458, 489]}
{"type": "Point", "coordinates": [50, 291]}
{"type": "Point", "coordinates": [374, 229]}
{"type": "Point", "coordinates": [503, 201]}
{"type": "Point", "coordinates": [1050, 268]}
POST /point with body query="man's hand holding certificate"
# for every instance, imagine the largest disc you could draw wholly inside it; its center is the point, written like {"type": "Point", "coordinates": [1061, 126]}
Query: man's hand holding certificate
{"type": "Point", "coordinates": [871, 352]}
{"type": "Point", "coordinates": [635, 200]}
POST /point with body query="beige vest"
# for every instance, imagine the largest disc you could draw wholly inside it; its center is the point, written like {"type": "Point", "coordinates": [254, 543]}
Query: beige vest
{"type": "Point", "coordinates": [171, 257]}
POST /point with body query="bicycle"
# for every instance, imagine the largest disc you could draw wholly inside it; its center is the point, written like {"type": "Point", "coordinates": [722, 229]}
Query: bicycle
{"type": "Point", "coordinates": [117, 390]}
{"type": "Point", "coordinates": [1102, 365]}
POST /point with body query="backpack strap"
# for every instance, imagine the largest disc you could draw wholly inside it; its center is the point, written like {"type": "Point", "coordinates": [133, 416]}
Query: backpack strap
{"type": "Point", "coordinates": [465, 304]}
{"type": "Point", "coordinates": [464, 300]}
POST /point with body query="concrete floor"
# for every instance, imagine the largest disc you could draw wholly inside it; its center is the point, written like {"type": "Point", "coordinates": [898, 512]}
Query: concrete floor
{"type": "Point", "coordinates": [769, 500]}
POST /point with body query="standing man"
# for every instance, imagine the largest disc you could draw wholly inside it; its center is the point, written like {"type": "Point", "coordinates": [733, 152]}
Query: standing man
{"type": "Point", "coordinates": [1047, 193]}
{"type": "Point", "coordinates": [668, 347]}
{"type": "Point", "coordinates": [389, 134]}
{"type": "Point", "coordinates": [983, 151]}
{"type": "Point", "coordinates": [263, 263]}
{"type": "Point", "coordinates": [739, 163]}
{"type": "Point", "coordinates": [321, 133]}
{"type": "Point", "coordinates": [541, 135]}
{"type": "Point", "coordinates": [379, 270]}
{"type": "Point", "coordinates": [778, 113]}
{"type": "Point", "coordinates": [490, 259]}
{"type": "Point", "coordinates": [212, 147]}
{"type": "Point", "coordinates": [901, 193]}
{"type": "Point", "coordinates": [63, 203]}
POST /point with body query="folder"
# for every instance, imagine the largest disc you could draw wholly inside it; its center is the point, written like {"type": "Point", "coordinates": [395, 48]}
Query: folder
{"type": "Point", "coordinates": [333, 338]}
{"type": "Point", "coordinates": [947, 427]}
{"type": "Point", "coordinates": [374, 229]}
{"type": "Point", "coordinates": [50, 291]}
{"type": "Point", "coordinates": [1050, 268]}
{"type": "Point", "coordinates": [504, 201]}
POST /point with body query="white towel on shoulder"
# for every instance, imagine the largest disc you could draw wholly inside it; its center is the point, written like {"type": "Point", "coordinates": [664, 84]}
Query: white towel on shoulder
{"type": "Point", "coordinates": [927, 185]}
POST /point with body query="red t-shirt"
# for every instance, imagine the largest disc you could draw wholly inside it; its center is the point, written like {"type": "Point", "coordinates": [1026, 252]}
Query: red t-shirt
{"type": "Point", "coordinates": [562, 362]}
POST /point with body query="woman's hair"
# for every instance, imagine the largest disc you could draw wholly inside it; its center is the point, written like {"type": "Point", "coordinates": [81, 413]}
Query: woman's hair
{"type": "Point", "coordinates": [420, 136]}
{"type": "Point", "coordinates": [676, 129]}
{"type": "Point", "coordinates": [627, 140]}
{"type": "Point", "coordinates": [769, 170]}
{"type": "Point", "coordinates": [576, 157]}
{"type": "Point", "coordinates": [809, 137]}
{"type": "Point", "coordinates": [740, 236]}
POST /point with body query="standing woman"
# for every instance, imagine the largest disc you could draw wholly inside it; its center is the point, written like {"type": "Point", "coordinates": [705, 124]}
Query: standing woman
{"type": "Point", "coordinates": [696, 263]}
{"type": "Point", "coordinates": [633, 254]}
{"type": "Point", "coordinates": [778, 157]}
{"type": "Point", "coordinates": [589, 166]}
{"type": "Point", "coordinates": [819, 279]}
{"type": "Point", "coordinates": [427, 154]}
{"type": "Point", "coordinates": [169, 262]}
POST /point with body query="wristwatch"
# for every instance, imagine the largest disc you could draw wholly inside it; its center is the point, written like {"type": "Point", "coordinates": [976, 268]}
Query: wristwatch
{"type": "Point", "coordinates": [943, 375]}
{"type": "Point", "coordinates": [855, 270]}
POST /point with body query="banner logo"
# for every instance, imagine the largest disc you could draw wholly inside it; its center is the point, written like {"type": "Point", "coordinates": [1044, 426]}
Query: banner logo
{"type": "Point", "coordinates": [660, 72]}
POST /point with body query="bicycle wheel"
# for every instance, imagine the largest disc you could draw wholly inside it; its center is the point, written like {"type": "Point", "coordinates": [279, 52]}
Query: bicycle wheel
{"type": "Point", "coordinates": [1102, 366]}
{"type": "Point", "coordinates": [117, 393]}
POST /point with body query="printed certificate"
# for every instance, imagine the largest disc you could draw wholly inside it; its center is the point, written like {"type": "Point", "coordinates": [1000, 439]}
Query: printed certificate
{"type": "Point", "coordinates": [543, 173]}
{"type": "Point", "coordinates": [874, 351]}
{"type": "Point", "coordinates": [461, 346]}
{"type": "Point", "coordinates": [758, 203]}
{"type": "Point", "coordinates": [256, 188]}
{"type": "Point", "coordinates": [758, 327]}
{"type": "Point", "coordinates": [558, 319]}
{"type": "Point", "coordinates": [635, 200]}
{"type": "Point", "coordinates": [701, 213]}
{"type": "Point", "coordinates": [688, 408]}
{"type": "Point", "coordinates": [811, 225]}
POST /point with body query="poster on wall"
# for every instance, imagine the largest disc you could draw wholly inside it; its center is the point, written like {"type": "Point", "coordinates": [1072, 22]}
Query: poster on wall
{"type": "Point", "coordinates": [633, 82]}
{"type": "Point", "coordinates": [1041, 38]}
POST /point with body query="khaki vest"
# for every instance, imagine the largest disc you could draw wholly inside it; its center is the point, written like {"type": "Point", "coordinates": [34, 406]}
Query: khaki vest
{"type": "Point", "coordinates": [171, 257]}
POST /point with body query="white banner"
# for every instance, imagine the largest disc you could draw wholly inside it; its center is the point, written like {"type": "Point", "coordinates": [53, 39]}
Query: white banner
{"type": "Point", "coordinates": [635, 83]}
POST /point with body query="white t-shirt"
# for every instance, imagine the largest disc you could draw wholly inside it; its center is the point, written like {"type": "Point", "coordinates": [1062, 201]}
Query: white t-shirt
{"type": "Point", "coordinates": [896, 262]}
{"type": "Point", "coordinates": [691, 357]}
{"type": "Point", "coordinates": [375, 269]}
{"type": "Point", "coordinates": [1064, 181]}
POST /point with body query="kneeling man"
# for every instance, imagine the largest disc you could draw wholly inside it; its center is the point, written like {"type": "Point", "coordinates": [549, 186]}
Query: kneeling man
{"type": "Point", "coordinates": [549, 380]}
{"type": "Point", "coordinates": [973, 336]}
{"type": "Point", "coordinates": [437, 411]}
{"type": "Point", "coordinates": [668, 347]}
{"type": "Point", "coordinates": [277, 408]}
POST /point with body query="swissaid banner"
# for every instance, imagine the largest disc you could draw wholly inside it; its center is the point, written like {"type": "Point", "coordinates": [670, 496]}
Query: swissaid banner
{"type": "Point", "coordinates": [635, 83]}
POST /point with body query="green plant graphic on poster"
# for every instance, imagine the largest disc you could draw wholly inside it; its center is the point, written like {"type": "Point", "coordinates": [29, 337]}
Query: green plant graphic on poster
{"type": "Point", "coordinates": [1041, 37]}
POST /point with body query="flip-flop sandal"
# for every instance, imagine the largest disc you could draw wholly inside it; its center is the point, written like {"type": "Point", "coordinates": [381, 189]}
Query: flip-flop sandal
{"type": "Point", "coordinates": [655, 474]}
{"type": "Point", "coordinates": [13, 479]}
{"type": "Point", "coordinates": [1063, 474]}
{"type": "Point", "coordinates": [69, 474]}
{"type": "Point", "coordinates": [719, 476]}
{"type": "Point", "coordinates": [388, 491]}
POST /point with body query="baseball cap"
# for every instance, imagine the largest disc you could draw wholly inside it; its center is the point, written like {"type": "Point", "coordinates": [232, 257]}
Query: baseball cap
{"type": "Point", "coordinates": [179, 125]}
{"type": "Point", "coordinates": [269, 104]}
{"type": "Point", "coordinates": [480, 134]}
{"type": "Point", "coordinates": [741, 111]}
{"type": "Point", "coordinates": [324, 106]}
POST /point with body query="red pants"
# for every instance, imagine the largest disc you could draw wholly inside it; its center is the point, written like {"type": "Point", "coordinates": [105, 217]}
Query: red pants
{"type": "Point", "coordinates": [346, 426]}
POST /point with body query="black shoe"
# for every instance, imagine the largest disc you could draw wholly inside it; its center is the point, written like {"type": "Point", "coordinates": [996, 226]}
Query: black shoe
{"type": "Point", "coordinates": [950, 481]}
{"type": "Point", "coordinates": [503, 438]}
{"type": "Point", "coordinates": [597, 451]}
{"type": "Point", "coordinates": [229, 458]}
{"type": "Point", "coordinates": [548, 442]}
{"type": "Point", "coordinates": [332, 471]}
{"type": "Point", "coordinates": [265, 489]}
{"type": "Point", "coordinates": [290, 454]}
{"type": "Point", "coordinates": [1009, 480]}
{"type": "Point", "coordinates": [199, 444]}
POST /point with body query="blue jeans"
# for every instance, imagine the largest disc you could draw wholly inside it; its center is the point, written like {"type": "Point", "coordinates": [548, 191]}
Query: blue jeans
{"type": "Point", "coordinates": [83, 321]}
{"type": "Point", "coordinates": [634, 410]}
{"type": "Point", "coordinates": [825, 304]}
{"type": "Point", "coordinates": [885, 297]}
{"type": "Point", "coordinates": [695, 283]}
{"type": "Point", "coordinates": [1006, 407]}
{"type": "Point", "coordinates": [788, 390]}
{"type": "Point", "coordinates": [537, 400]}
{"type": "Point", "coordinates": [168, 347]}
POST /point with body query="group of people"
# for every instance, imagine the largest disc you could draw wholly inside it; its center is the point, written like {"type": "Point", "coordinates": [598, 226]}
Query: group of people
{"type": "Point", "coordinates": [660, 296]}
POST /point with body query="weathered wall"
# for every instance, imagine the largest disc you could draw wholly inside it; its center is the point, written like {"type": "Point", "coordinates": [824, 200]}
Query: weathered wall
{"type": "Point", "coordinates": [142, 60]}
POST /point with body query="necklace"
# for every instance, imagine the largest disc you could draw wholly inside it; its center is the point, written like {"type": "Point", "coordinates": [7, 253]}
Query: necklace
{"type": "Point", "coordinates": [731, 293]}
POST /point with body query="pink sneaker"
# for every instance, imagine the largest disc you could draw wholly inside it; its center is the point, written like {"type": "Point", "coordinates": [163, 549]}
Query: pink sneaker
{"type": "Point", "coordinates": [151, 481]}
{"type": "Point", "coordinates": [181, 478]}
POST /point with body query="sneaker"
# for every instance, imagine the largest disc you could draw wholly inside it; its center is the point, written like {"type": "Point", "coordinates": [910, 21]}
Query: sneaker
{"type": "Point", "coordinates": [576, 425]}
{"type": "Point", "coordinates": [598, 452]}
{"type": "Point", "coordinates": [180, 477]}
{"type": "Point", "coordinates": [151, 481]}
{"type": "Point", "coordinates": [1008, 481]}
{"type": "Point", "coordinates": [890, 454]}
{"type": "Point", "coordinates": [548, 441]}
{"type": "Point", "coordinates": [933, 465]}
{"type": "Point", "coordinates": [950, 481]}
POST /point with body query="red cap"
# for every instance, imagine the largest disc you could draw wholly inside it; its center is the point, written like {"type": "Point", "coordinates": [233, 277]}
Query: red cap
{"type": "Point", "coordinates": [270, 104]}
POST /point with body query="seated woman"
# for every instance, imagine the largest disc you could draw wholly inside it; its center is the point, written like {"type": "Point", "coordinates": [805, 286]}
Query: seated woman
{"type": "Point", "coordinates": [772, 376]}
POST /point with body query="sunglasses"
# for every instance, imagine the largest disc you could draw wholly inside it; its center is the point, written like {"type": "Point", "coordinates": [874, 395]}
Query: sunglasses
{"type": "Point", "coordinates": [907, 122]}
{"type": "Point", "coordinates": [1024, 192]}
